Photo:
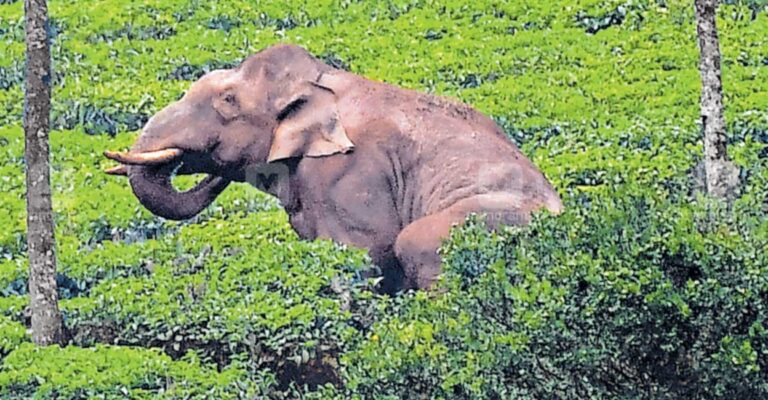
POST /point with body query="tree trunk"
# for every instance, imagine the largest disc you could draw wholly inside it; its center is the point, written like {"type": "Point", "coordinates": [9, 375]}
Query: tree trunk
{"type": "Point", "coordinates": [722, 176]}
{"type": "Point", "coordinates": [46, 319]}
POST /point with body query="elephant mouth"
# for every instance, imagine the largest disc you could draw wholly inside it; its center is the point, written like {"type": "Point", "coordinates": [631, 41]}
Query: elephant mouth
{"type": "Point", "coordinates": [150, 174]}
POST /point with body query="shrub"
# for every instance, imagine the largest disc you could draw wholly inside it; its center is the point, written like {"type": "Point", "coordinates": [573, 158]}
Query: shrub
{"type": "Point", "coordinates": [601, 94]}
{"type": "Point", "coordinates": [228, 296]}
{"type": "Point", "coordinates": [31, 372]}
{"type": "Point", "coordinates": [12, 334]}
{"type": "Point", "coordinates": [628, 296]}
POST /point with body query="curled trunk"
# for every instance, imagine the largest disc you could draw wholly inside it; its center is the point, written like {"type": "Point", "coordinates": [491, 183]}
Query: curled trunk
{"type": "Point", "coordinates": [152, 185]}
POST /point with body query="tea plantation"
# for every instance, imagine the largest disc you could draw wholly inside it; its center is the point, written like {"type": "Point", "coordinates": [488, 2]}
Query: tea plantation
{"type": "Point", "coordinates": [642, 289]}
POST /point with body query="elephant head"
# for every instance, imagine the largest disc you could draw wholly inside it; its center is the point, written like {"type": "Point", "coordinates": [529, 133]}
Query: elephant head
{"type": "Point", "coordinates": [269, 108]}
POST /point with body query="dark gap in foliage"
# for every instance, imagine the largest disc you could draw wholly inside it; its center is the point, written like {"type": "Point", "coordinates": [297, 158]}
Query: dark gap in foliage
{"type": "Point", "coordinates": [629, 140]}
{"type": "Point", "coordinates": [13, 31]}
{"type": "Point", "coordinates": [25, 391]}
{"type": "Point", "coordinates": [223, 23]}
{"type": "Point", "coordinates": [465, 80]}
{"type": "Point", "coordinates": [187, 12]}
{"type": "Point", "coordinates": [593, 24]}
{"type": "Point", "coordinates": [587, 177]}
{"type": "Point", "coordinates": [494, 12]}
{"type": "Point", "coordinates": [11, 116]}
{"type": "Point", "coordinates": [755, 6]}
{"type": "Point", "coordinates": [679, 269]}
{"type": "Point", "coordinates": [282, 24]}
{"type": "Point", "coordinates": [89, 333]}
{"type": "Point", "coordinates": [529, 26]}
{"type": "Point", "coordinates": [17, 287]}
{"type": "Point", "coordinates": [55, 28]}
{"type": "Point", "coordinates": [334, 61]}
{"type": "Point", "coordinates": [227, 23]}
{"type": "Point", "coordinates": [100, 230]}
{"type": "Point", "coordinates": [8, 1]}
{"type": "Point", "coordinates": [193, 72]}
{"type": "Point", "coordinates": [71, 287]}
{"type": "Point", "coordinates": [539, 135]}
{"type": "Point", "coordinates": [739, 131]}
{"type": "Point", "coordinates": [313, 373]}
{"type": "Point", "coordinates": [14, 248]}
{"type": "Point", "coordinates": [130, 32]}
{"type": "Point", "coordinates": [181, 16]}
{"type": "Point", "coordinates": [669, 66]}
{"type": "Point", "coordinates": [746, 59]}
{"type": "Point", "coordinates": [432, 34]}
{"type": "Point", "coordinates": [96, 119]}
{"type": "Point", "coordinates": [392, 11]}
{"type": "Point", "coordinates": [499, 13]}
{"type": "Point", "coordinates": [469, 81]}
{"type": "Point", "coordinates": [189, 264]}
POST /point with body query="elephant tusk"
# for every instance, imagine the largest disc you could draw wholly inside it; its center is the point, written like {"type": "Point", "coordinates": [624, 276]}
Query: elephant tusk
{"type": "Point", "coordinates": [119, 170]}
{"type": "Point", "coordinates": [148, 158]}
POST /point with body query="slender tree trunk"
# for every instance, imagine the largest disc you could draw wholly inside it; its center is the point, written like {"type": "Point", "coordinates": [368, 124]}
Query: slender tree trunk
{"type": "Point", "coordinates": [722, 176]}
{"type": "Point", "coordinates": [46, 319]}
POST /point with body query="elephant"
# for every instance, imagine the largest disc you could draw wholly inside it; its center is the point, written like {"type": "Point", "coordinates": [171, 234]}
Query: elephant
{"type": "Point", "coordinates": [360, 162]}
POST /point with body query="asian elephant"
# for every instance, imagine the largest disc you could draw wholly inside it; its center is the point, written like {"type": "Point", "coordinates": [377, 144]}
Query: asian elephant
{"type": "Point", "coordinates": [363, 163]}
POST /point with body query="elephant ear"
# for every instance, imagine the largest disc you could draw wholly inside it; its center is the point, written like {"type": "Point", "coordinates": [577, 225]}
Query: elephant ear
{"type": "Point", "coordinates": [309, 125]}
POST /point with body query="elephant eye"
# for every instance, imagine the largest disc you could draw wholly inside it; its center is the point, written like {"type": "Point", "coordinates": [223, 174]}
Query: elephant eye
{"type": "Point", "coordinates": [226, 105]}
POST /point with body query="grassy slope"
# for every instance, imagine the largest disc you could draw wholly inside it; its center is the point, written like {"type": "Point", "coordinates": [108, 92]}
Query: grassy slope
{"type": "Point", "coordinates": [620, 105]}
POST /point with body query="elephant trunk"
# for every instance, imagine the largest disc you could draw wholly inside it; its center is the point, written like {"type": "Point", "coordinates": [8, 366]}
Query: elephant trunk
{"type": "Point", "coordinates": [152, 185]}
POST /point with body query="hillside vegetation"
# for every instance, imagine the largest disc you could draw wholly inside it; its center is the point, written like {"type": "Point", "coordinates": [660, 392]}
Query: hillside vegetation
{"type": "Point", "coordinates": [642, 289]}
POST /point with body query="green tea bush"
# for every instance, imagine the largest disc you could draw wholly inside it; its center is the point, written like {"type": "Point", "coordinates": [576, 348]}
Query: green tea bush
{"type": "Point", "coordinates": [12, 334]}
{"type": "Point", "coordinates": [640, 290]}
{"type": "Point", "coordinates": [109, 372]}
{"type": "Point", "coordinates": [11, 75]}
{"type": "Point", "coordinates": [188, 72]}
{"type": "Point", "coordinates": [227, 298]}
{"type": "Point", "coordinates": [97, 119]}
{"type": "Point", "coordinates": [629, 296]}
{"type": "Point", "coordinates": [131, 32]}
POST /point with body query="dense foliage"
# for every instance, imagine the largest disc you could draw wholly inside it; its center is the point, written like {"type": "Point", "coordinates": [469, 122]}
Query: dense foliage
{"type": "Point", "coordinates": [641, 289]}
{"type": "Point", "coordinates": [627, 297]}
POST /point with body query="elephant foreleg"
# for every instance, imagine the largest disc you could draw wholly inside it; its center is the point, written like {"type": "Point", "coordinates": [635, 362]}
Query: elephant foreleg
{"type": "Point", "coordinates": [417, 244]}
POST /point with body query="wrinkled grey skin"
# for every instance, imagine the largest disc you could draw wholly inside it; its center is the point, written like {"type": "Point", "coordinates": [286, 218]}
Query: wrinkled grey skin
{"type": "Point", "coordinates": [360, 162]}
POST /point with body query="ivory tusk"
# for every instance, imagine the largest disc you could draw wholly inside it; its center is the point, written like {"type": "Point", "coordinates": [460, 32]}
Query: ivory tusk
{"type": "Point", "coordinates": [148, 158]}
{"type": "Point", "coordinates": [119, 170]}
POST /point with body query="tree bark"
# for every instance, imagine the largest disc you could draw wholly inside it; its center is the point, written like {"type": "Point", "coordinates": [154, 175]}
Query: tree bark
{"type": "Point", "coordinates": [722, 176]}
{"type": "Point", "coordinates": [46, 318]}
